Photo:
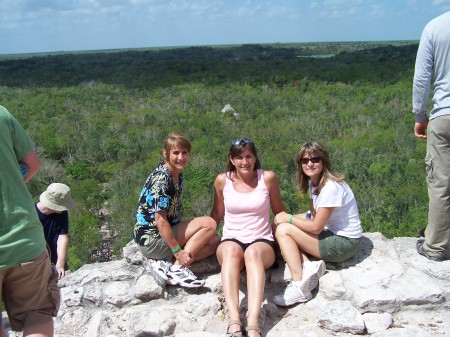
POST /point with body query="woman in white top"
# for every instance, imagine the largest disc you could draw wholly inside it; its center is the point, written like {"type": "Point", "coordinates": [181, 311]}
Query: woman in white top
{"type": "Point", "coordinates": [331, 232]}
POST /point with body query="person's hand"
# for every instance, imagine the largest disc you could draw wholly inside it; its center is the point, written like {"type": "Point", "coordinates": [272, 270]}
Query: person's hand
{"type": "Point", "coordinates": [420, 129]}
{"type": "Point", "coordinates": [184, 258]}
{"type": "Point", "coordinates": [281, 217]}
{"type": "Point", "coordinates": [60, 270]}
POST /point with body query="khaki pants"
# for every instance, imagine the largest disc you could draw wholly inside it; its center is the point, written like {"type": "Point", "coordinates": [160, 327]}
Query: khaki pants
{"type": "Point", "coordinates": [30, 292]}
{"type": "Point", "coordinates": [437, 233]}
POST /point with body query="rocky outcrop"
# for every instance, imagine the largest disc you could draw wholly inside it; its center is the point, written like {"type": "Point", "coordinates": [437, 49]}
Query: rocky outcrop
{"type": "Point", "coordinates": [387, 290]}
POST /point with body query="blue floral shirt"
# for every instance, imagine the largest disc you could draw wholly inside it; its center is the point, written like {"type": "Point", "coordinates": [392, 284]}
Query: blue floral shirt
{"type": "Point", "coordinates": [160, 193]}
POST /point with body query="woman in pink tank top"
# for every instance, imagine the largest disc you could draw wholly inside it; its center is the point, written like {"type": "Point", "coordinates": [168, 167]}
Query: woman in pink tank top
{"type": "Point", "coordinates": [243, 197]}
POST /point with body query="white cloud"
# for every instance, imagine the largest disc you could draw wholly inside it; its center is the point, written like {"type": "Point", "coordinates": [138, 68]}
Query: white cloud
{"type": "Point", "coordinates": [439, 2]}
{"type": "Point", "coordinates": [142, 2]}
{"type": "Point", "coordinates": [342, 2]}
{"type": "Point", "coordinates": [276, 11]}
{"type": "Point", "coordinates": [46, 25]}
{"type": "Point", "coordinates": [377, 10]}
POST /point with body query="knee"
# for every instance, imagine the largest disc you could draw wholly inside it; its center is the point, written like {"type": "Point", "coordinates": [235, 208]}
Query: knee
{"type": "Point", "coordinates": [210, 224]}
{"type": "Point", "coordinates": [282, 230]}
{"type": "Point", "coordinates": [252, 255]}
{"type": "Point", "coordinates": [231, 252]}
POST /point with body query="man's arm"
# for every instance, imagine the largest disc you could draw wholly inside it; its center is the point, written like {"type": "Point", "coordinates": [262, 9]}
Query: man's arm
{"type": "Point", "coordinates": [62, 246]}
{"type": "Point", "coordinates": [31, 159]}
{"type": "Point", "coordinates": [421, 85]}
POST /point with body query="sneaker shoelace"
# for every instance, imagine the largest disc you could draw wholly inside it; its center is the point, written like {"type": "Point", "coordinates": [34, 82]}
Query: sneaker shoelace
{"type": "Point", "coordinates": [185, 272]}
{"type": "Point", "coordinates": [292, 292]}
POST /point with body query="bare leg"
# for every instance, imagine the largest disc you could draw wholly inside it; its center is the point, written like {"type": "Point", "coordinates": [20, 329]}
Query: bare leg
{"type": "Point", "coordinates": [258, 257]}
{"type": "Point", "coordinates": [291, 255]}
{"type": "Point", "coordinates": [209, 248]}
{"type": "Point", "coordinates": [293, 243]}
{"type": "Point", "coordinates": [197, 236]}
{"type": "Point", "coordinates": [231, 258]}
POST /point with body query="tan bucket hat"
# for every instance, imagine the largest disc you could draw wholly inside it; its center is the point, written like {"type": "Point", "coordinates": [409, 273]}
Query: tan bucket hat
{"type": "Point", "coordinates": [57, 197]}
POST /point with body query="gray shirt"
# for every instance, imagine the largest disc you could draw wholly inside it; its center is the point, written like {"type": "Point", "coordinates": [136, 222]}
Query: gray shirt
{"type": "Point", "coordinates": [433, 58]}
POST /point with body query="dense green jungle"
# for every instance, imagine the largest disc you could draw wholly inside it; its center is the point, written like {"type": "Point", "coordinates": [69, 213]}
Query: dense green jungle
{"type": "Point", "coordinates": [99, 119]}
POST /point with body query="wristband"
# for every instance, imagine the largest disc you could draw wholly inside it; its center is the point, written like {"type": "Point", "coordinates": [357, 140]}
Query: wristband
{"type": "Point", "coordinates": [291, 218]}
{"type": "Point", "coordinates": [176, 250]}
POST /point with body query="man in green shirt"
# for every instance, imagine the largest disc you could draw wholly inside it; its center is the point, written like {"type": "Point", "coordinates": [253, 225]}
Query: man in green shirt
{"type": "Point", "coordinates": [28, 283]}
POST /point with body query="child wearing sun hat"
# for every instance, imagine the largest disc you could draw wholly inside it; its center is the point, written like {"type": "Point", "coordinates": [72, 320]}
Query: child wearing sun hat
{"type": "Point", "coordinates": [52, 209]}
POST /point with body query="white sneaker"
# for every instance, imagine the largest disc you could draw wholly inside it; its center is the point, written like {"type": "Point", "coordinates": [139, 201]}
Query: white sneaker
{"type": "Point", "coordinates": [184, 277]}
{"type": "Point", "coordinates": [312, 272]}
{"type": "Point", "coordinates": [292, 294]}
{"type": "Point", "coordinates": [158, 269]}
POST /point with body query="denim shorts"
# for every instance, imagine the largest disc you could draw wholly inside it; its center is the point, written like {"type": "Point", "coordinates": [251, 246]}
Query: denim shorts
{"type": "Point", "coordinates": [157, 248]}
{"type": "Point", "coordinates": [30, 292]}
{"type": "Point", "coordinates": [337, 248]}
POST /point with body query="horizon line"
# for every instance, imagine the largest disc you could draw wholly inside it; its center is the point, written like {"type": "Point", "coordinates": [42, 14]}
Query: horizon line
{"type": "Point", "coordinates": [80, 51]}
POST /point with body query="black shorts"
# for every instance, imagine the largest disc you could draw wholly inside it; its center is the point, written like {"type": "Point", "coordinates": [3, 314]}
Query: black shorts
{"type": "Point", "coordinates": [244, 246]}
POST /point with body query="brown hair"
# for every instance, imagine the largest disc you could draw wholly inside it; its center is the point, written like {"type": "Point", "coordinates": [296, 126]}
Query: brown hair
{"type": "Point", "coordinates": [237, 147]}
{"type": "Point", "coordinates": [315, 149]}
{"type": "Point", "coordinates": [176, 140]}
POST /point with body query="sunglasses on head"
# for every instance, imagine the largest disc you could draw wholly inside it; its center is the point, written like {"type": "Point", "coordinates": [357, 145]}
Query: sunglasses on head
{"type": "Point", "coordinates": [313, 160]}
{"type": "Point", "coordinates": [242, 140]}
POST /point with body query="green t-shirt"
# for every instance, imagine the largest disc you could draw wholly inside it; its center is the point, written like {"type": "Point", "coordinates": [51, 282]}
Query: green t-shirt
{"type": "Point", "coordinates": [21, 235]}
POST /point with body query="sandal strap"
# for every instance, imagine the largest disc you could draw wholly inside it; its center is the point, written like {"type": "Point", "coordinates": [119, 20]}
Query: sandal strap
{"type": "Point", "coordinates": [253, 327]}
{"type": "Point", "coordinates": [236, 333]}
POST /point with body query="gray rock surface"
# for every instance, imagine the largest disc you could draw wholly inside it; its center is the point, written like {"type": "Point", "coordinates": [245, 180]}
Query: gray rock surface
{"type": "Point", "coordinates": [388, 290]}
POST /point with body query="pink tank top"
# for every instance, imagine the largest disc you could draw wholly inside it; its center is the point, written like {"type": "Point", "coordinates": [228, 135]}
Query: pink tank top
{"type": "Point", "coordinates": [247, 214]}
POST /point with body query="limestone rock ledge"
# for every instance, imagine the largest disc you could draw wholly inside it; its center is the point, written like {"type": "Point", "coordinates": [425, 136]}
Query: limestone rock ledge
{"type": "Point", "coordinates": [388, 290]}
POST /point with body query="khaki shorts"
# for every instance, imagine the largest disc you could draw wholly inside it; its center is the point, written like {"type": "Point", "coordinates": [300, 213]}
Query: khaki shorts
{"type": "Point", "coordinates": [336, 248]}
{"type": "Point", "coordinates": [158, 249]}
{"type": "Point", "coordinates": [30, 292]}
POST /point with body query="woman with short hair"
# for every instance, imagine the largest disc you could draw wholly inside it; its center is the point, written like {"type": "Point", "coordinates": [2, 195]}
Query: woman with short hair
{"type": "Point", "coordinates": [170, 244]}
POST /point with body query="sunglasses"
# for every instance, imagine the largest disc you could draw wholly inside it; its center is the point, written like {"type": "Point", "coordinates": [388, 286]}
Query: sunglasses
{"type": "Point", "coordinates": [242, 140]}
{"type": "Point", "coordinates": [313, 160]}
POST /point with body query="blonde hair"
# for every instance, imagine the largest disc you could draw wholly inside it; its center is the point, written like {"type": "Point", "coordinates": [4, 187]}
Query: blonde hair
{"type": "Point", "coordinates": [315, 149]}
{"type": "Point", "coordinates": [176, 140]}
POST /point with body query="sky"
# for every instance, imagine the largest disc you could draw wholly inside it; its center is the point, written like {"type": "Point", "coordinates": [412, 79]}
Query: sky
{"type": "Point", "coordinates": [38, 26]}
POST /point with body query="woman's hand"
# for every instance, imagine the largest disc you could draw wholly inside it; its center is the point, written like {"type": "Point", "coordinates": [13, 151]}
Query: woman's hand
{"type": "Point", "coordinates": [184, 258]}
{"type": "Point", "coordinates": [281, 217]}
